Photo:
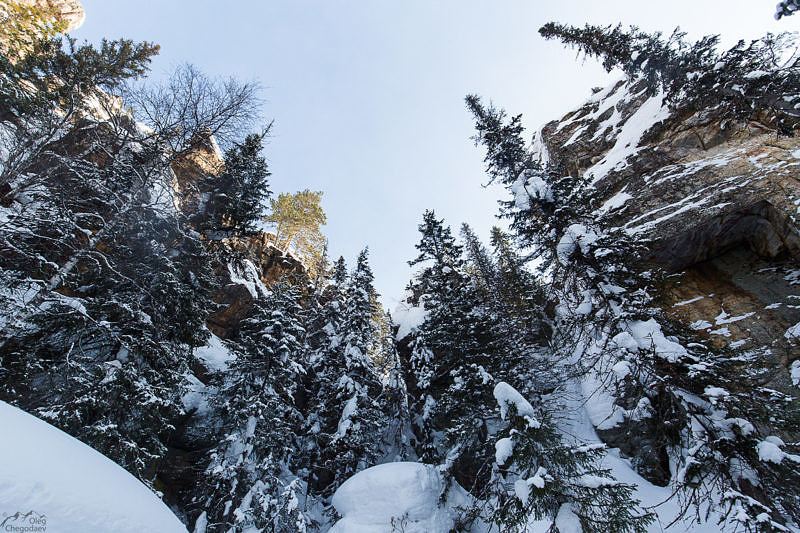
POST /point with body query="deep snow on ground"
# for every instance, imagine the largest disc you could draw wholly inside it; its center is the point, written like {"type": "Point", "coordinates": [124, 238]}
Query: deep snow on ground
{"type": "Point", "coordinates": [399, 496]}
{"type": "Point", "coordinates": [75, 488]}
{"type": "Point", "coordinates": [409, 493]}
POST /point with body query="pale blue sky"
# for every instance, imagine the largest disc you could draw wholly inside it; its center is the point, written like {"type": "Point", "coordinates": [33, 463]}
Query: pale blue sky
{"type": "Point", "coordinates": [367, 96]}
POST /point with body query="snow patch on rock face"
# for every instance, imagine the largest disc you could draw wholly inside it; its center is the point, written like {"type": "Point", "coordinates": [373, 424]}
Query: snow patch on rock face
{"type": "Point", "coordinates": [246, 274]}
{"type": "Point", "coordinates": [77, 489]}
{"type": "Point", "coordinates": [408, 318]}
{"type": "Point", "coordinates": [794, 371]}
{"type": "Point", "coordinates": [215, 355]}
{"type": "Point", "coordinates": [615, 202]}
{"type": "Point", "coordinates": [649, 113]}
{"type": "Point", "coordinates": [793, 333]}
{"type": "Point", "coordinates": [396, 497]}
{"type": "Point", "coordinates": [539, 148]}
{"type": "Point", "coordinates": [608, 98]}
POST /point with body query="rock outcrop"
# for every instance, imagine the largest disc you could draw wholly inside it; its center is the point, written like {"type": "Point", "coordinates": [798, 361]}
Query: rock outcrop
{"type": "Point", "coordinates": [716, 201]}
{"type": "Point", "coordinates": [254, 261]}
{"type": "Point", "coordinates": [718, 205]}
{"type": "Point", "coordinates": [257, 264]}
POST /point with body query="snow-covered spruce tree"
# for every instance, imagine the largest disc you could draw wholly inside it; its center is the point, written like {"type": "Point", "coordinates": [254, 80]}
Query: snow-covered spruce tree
{"type": "Point", "coordinates": [463, 356]}
{"type": "Point", "coordinates": [87, 338]}
{"type": "Point", "coordinates": [519, 294]}
{"type": "Point", "coordinates": [756, 81]}
{"type": "Point", "coordinates": [324, 323]}
{"type": "Point", "coordinates": [236, 196]}
{"type": "Point", "coordinates": [105, 284]}
{"type": "Point", "coordinates": [103, 356]}
{"type": "Point", "coordinates": [397, 432]}
{"type": "Point", "coordinates": [249, 482]}
{"type": "Point", "coordinates": [456, 353]}
{"type": "Point", "coordinates": [478, 261]}
{"type": "Point", "coordinates": [702, 410]}
{"type": "Point", "coordinates": [360, 314]}
{"type": "Point", "coordinates": [554, 480]}
{"type": "Point", "coordinates": [44, 97]}
{"type": "Point", "coordinates": [346, 413]}
{"type": "Point", "coordinates": [511, 294]}
{"type": "Point", "coordinates": [369, 342]}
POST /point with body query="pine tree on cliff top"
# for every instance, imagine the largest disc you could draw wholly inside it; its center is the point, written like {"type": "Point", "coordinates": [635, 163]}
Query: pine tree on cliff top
{"type": "Point", "coordinates": [237, 198]}
{"type": "Point", "coordinates": [759, 80]}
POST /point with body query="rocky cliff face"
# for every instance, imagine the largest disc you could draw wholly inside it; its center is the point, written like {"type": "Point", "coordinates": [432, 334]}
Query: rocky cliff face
{"type": "Point", "coordinates": [718, 203]}
{"type": "Point", "coordinates": [255, 262]}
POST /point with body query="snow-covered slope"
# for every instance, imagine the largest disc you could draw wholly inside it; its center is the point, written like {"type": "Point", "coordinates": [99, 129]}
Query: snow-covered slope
{"type": "Point", "coordinates": [578, 425]}
{"type": "Point", "coordinates": [399, 496]}
{"type": "Point", "coordinates": [69, 487]}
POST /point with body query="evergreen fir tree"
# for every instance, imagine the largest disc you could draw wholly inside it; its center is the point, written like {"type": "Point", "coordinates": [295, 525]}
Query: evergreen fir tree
{"type": "Point", "coordinates": [454, 354]}
{"type": "Point", "coordinates": [553, 479]}
{"type": "Point", "coordinates": [360, 313]}
{"type": "Point", "coordinates": [339, 274]}
{"type": "Point", "coordinates": [346, 417]}
{"type": "Point", "coordinates": [249, 479]}
{"type": "Point", "coordinates": [115, 282]}
{"type": "Point", "coordinates": [478, 260]}
{"type": "Point", "coordinates": [120, 342]}
{"type": "Point", "coordinates": [696, 76]}
{"type": "Point", "coordinates": [602, 289]}
{"type": "Point", "coordinates": [519, 293]}
{"type": "Point", "coordinates": [237, 198]}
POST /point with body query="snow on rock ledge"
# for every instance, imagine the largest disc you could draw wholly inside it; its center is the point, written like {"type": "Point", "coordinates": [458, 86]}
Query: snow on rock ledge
{"type": "Point", "coordinates": [72, 487]}
{"type": "Point", "coordinates": [407, 318]}
{"type": "Point", "coordinates": [404, 493]}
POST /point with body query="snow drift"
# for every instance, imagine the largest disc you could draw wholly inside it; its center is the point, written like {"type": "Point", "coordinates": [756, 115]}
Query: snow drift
{"type": "Point", "coordinates": [399, 496]}
{"type": "Point", "coordinates": [67, 487]}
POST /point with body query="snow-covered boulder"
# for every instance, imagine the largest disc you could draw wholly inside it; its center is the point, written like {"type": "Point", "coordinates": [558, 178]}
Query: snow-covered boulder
{"type": "Point", "coordinates": [49, 479]}
{"type": "Point", "coordinates": [396, 497]}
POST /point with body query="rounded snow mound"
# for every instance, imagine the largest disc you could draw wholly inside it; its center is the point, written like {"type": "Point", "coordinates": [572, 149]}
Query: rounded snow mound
{"type": "Point", "coordinates": [390, 497]}
{"type": "Point", "coordinates": [54, 482]}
